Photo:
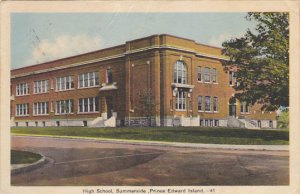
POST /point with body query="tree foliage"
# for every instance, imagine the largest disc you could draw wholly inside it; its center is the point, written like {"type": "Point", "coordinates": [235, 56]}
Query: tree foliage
{"type": "Point", "coordinates": [283, 120]}
{"type": "Point", "coordinates": [262, 60]}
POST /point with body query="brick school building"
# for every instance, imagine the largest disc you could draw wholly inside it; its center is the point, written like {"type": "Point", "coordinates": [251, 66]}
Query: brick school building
{"type": "Point", "coordinates": [184, 79]}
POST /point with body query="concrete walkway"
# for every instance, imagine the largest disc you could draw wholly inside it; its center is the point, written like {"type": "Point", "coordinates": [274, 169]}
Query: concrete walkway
{"type": "Point", "coordinates": [169, 144]}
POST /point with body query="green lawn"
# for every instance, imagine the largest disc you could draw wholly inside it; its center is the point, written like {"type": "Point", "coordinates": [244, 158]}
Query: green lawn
{"type": "Point", "coordinates": [23, 157]}
{"type": "Point", "coordinates": [169, 134]}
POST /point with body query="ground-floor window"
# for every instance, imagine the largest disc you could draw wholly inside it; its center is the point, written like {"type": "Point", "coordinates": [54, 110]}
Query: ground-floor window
{"type": "Point", "coordinates": [180, 100]}
{"type": "Point", "coordinates": [65, 106]}
{"type": "Point", "coordinates": [201, 122]}
{"type": "Point", "coordinates": [244, 107]}
{"type": "Point", "coordinates": [22, 109]}
{"type": "Point", "coordinates": [88, 104]}
{"type": "Point", "coordinates": [199, 103]}
{"type": "Point", "coordinates": [40, 108]}
{"type": "Point", "coordinates": [216, 123]}
{"type": "Point", "coordinates": [259, 124]}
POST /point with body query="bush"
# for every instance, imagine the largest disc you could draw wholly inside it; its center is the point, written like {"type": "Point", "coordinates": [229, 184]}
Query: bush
{"type": "Point", "coordinates": [283, 120]}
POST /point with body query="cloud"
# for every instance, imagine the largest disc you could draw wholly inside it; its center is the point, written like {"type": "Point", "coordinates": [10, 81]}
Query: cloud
{"type": "Point", "coordinates": [63, 46]}
{"type": "Point", "coordinates": [218, 40]}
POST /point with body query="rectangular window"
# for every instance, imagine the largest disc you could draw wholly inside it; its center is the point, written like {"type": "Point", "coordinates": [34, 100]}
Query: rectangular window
{"type": "Point", "coordinates": [216, 104]}
{"type": "Point", "coordinates": [88, 104]}
{"type": "Point", "coordinates": [41, 86]}
{"type": "Point", "coordinates": [22, 109]}
{"type": "Point", "coordinates": [245, 107]}
{"type": "Point", "coordinates": [41, 108]}
{"type": "Point", "coordinates": [216, 123]}
{"type": "Point", "coordinates": [109, 76]}
{"type": "Point", "coordinates": [171, 104]}
{"type": "Point", "coordinates": [180, 101]}
{"type": "Point", "coordinates": [207, 103]}
{"type": "Point", "coordinates": [89, 79]}
{"type": "Point", "coordinates": [65, 106]}
{"type": "Point", "coordinates": [207, 74]}
{"type": "Point", "coordinates": [214, 75]}
{"type": "Point", "coordinates": [200, 73]}
{"type": "Point", "coordinates": [22, 89]}
{"type": "Point", "coordinates": [200, 103]}
{"type": "Point", "coordinates": [232, 78]}
{"type": "Point", "coordinates": [64, 83]}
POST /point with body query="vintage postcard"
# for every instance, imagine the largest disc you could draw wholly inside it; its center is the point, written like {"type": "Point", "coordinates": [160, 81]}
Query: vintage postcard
{"type": "Point", "coordinates": [150, 97]}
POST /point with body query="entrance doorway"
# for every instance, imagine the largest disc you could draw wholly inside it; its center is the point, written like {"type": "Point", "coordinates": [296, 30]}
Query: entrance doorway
{"type": "Point", "coordinates": [109, 106]}
{"type": "Point", "coordinates": [232, 107]}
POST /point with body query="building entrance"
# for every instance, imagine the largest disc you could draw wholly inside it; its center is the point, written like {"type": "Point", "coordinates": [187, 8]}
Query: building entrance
{"type": "Point", "coordinates": [109, 106]}
{"type": "Point", "coordinates": [232, 110]}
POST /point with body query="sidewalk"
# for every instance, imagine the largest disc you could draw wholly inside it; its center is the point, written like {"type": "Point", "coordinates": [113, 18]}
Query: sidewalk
{"type": "Point", "coordinates": [169, 144]}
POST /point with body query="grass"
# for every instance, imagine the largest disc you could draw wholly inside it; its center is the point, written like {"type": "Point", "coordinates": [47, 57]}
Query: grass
{"type": "Point", "coordinates": [23, 157]}
{"type": "Point", "coordinates": [169, 134]}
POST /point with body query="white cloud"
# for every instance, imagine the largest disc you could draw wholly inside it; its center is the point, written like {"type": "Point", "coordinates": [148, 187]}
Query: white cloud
{"type": "Point", "coordinates": [63, 46]}
{"type": "Point", "coordinates": [217, 41]}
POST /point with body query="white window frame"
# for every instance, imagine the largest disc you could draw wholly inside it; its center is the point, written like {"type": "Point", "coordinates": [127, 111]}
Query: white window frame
{"type": "Point", "coordinates": [22, 89]}
{"type": "Point", "coordinates": [40, 108]}
{"type": "Point", "coordinates": [214, 76]}
{"type": "Point", "coordinates": [199, 74]}
{"type": "Point", "coordinates": [85, 105]}
{"type": "Point", "coordinates": [201, 103]}
{"type": "Point", "coordinates": [64, 83]}
{"type": "Point", "coordinates": [41, 86]}
{"type": "Point", "coordinates": [207, 103]}
{"type": "Point", "coordinates": [245, 108]}
{"type": "Point", "coordinates": [180, 101]}
{"type": "Point", "coordinates": [22, 109]}
{"type": "Point", "coordinates": [59, 110]}
{"type": "Point", "coordinates": [89, 79]}
{"type": "Point", "coordinates": [215, 104]}
{"type": "Point", "coordinates": [207, 75]}
{"type": "Point", "coordinates": [182, 70]}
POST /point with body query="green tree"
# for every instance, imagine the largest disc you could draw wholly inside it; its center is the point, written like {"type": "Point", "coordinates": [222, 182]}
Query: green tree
{"type": "Point", "coordinates": [283, 120]}
{"type": "Point", "coordinates": [262, 60]}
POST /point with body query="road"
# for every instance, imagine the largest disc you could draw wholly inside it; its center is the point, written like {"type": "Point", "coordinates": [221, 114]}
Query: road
{"type": "Point", "coordinates": [82, 162]}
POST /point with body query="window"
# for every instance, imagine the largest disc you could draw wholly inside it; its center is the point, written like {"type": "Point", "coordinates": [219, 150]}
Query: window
{"type": "Point", "coordinates": [65, 106]}
{"type": "Point", "coordinates": [244, 107]}
{"type": "Point", "coordinates": [216, 123]}
{"type": "Point", "coordinates": [180, 100]}
{"type": "Point", "coordinates": [214, 75]}
{"type": "Point", "coordinates": [22, 109]}
{"type": "Point", "coordinates": [171, 104]}
{"type": "Point", "coordinates": [207, 103]}
{"type": "Point", "coordinates": [109, 76]}
{"type": "Point", "coordinates": [201, 122]}
{"type": "Point", "coordinates": [191, 106]}
{"type": "Point", "coordinates": [271, 124]}
{"type": "Point", "coordinates": [22, 89]}
{"type": "Point", "coordinates": [215, 104]}
{"type": "Point", "coordinates": [41, 86]}
{"type": "Point", "coordinates": [200, 73]}
{"type": "Point", "coordinates": [88, 104]}
{"type": "Point", "coordinates": [40, 108]}
{"type": "Point", "coordinates": [180, 73]}
{"type": "Point", "coordinates": [207, 74]}
{"type": "Point", "coordinates": [88, 79]}
{"type": "Point", "coordinates": [200, 103]}
{"type": "Point", "coordinates": [259, 123]}
{"type": "Point", "coordinates": [232, 78]}
{"type": "Point", "coordinates": [64, 83]}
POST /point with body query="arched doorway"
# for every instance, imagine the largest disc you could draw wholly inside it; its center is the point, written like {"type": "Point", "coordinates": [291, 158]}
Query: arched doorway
{"type": "Point", "coordinates": [232, 107]}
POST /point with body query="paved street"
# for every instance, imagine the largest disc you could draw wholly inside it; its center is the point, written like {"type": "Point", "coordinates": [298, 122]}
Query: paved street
{"type": "Point", "coordinates": [83, 162]}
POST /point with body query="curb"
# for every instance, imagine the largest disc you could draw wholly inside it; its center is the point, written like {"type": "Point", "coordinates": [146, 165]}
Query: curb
{"type": "Point", "coordinates": [21, 168]}
{"type": "Point", "coordinates": [170, 144]}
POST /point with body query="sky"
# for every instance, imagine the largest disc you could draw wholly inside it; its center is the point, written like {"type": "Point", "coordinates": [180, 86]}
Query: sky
{"type": "Point", "coordinates": [42, 37]}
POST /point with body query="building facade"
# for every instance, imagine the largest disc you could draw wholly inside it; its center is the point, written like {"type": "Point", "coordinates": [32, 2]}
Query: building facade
{"type": "Point", "coordinates": [185, 79]}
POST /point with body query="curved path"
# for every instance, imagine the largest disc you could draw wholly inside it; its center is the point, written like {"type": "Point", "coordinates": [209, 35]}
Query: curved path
{"type": "Point", "coordinates": [84, 162]}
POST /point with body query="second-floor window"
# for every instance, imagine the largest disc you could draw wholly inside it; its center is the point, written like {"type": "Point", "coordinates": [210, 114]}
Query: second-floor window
{"type": "Point", "coordinates": [40, 108]}
{"type": "Point", "coordinates": [22, 89]}
{"type": "Point", "coordinates": [22, 109]}
{"type": "Point", "coordinates": [232, 78]}
{"type": "Point", "coordinates": [109, 78]}
{"type": "Point", "coordinates": [214, 75]}
{"type": "Point", "coordinates": [207, 74]}
{"type": "Point", "coordinates": [180, 73]}
{"type": "Point", "coordinates": [41, 86]}
{"type": "Point", "coordinates": [88, 79]}
{"type": "Point", "coordinates": [199, 73]}
{"type": "Point", "coordinates": [64, 83]}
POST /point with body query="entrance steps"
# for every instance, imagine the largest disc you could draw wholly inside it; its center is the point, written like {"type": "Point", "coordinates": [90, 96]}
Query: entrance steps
{"type": "Point", "coordinates": [241, 123]}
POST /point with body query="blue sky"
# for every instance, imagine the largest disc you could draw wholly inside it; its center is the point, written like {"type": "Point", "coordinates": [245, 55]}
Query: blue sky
{"type": "Point", "coordinates": [40, 37]}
